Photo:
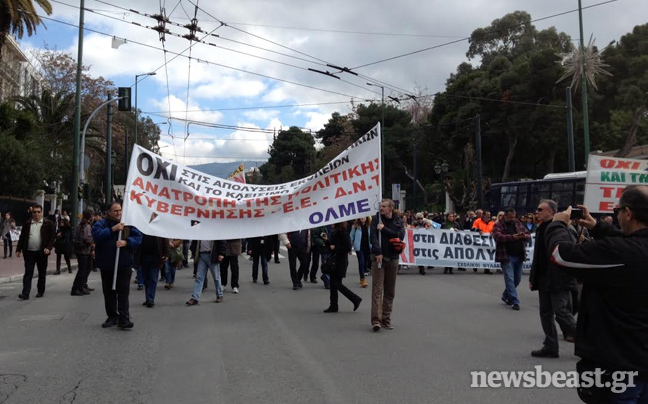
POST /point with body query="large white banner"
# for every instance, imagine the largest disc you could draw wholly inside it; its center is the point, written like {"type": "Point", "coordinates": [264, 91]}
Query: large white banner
{"type": "Point", "coordinates": [607, 177]}
{"type": "Point", "coordinates": [166, 199]}
{"type": "Point", "coordinates": [457, 249]}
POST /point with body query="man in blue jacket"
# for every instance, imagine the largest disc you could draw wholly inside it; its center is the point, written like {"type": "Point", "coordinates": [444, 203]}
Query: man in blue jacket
{"type": "Point", "coordinates": [105, 234]}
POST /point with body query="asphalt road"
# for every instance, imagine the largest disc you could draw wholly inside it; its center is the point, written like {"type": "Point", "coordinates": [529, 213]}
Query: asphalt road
{"type": "Point", "coordinates": [270, 344]}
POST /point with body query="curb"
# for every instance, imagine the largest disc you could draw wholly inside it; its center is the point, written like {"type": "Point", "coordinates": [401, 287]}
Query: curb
{"type": "Point", "coordinates": [19, 278]}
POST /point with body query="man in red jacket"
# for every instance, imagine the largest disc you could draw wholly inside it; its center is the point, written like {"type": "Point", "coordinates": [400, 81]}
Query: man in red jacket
{"type": "Point", "coordinates": [36, 242]}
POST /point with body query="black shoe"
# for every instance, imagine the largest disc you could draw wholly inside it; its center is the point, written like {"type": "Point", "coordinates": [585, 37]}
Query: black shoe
{"type": "Point", "coordinates": [376, 327]}
{"type": "Point", "coordinates": [487, 272]}
{"type": "Point", "coordinates": [544, 353]}
{"type": "Point", "coordinates": [277, 262]}
{"type": "Point", "coordinates": [295, 287]}
{"type": "Point", "coordinates": [516, 307]}
{"type": "Point", "coordinates": [85, 291]}
{"type": "Point", "coordinates": [300, 284]}
{"type": "Point", "coordinates": [124, 323]}
{"type": "Point", "coordinates": [474, 269]}
{"type": "Point", "coordinates": [149, 304]}
{"type": "Point", "coordinates": [331, 310]}
{"type": "Point", "coordinates": [461, 269]}
{"type": "Point", "coordinates": [77, 293]}
{"type": "Point", "coordinates": [88, 289]}
{"type": "Point", "coordinates": [313, 280]}
{"type": "Point", "coordinates": [327, 286]}
{"type": "Point", "coordinates": [356, 304]}
{"type": "Point", "coordinates": [39, 295]}
{"type": "Point", "coordinates": [266, 282]}
{"type": "Point", "coordinates": [254, 281]}
{"type": "Point", "coordinates": [23, 297]}
{"type": "Point", "coordinates": [57, 272]}
{"type": "Point", "coordinates": [140, 287]}
{"type": "Point", "coordinates": [109, 322]}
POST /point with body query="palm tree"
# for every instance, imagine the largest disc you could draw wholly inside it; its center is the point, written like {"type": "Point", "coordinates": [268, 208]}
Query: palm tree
{"type": "Point", "coordinates": [18, 16]}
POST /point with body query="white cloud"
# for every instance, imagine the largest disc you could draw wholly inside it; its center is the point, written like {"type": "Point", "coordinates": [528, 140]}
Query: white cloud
{"type": "Point", "coordinates": [261, 114]}
{"type": "Point", "coordinates": [193, 111]}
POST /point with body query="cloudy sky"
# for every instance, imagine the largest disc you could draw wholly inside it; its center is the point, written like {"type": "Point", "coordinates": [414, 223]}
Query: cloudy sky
{"type": "Point", "coordinates": [253, 78]}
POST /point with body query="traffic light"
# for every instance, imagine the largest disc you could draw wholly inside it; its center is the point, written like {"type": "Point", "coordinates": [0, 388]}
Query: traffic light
{"type": "Point", "coordinates": [124, 103]}
{"type": "Point", "coordinates": [86, 191]}
{"type": "Point", "coordinates": [80, 194]}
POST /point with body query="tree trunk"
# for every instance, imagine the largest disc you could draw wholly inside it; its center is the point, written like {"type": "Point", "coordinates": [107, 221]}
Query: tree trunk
{"type": "Point", "coordinates": [512, 142]}
{"type": "Point", "coordinates": [551, 161]}
{"type": "Point", "coordinates": [420, 186]}
{"type": "Point", "coordinates": [631, 138]}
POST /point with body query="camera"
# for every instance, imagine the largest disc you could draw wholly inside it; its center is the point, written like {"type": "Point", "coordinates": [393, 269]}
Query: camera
{"type": "Point", "coordinates": [576, 214]}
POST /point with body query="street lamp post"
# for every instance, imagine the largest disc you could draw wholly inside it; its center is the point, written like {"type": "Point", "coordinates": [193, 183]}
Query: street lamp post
{"type": "Point", "coordinates": [382, 132]}
{"type": "Point", "coordinates": [136, 110]}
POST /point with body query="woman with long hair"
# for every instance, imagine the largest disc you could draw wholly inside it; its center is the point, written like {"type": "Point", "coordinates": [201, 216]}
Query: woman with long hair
{"type": "Point", "coordinates": [361, 240]}
{"type": "Point", "coordinates": [8, 226]}
{"type": "Point", "coordinates": [340, 246]}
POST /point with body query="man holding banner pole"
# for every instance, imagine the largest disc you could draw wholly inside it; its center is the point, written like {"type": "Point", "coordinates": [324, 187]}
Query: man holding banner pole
{"type": "Point", "coordinates": [112, 237]}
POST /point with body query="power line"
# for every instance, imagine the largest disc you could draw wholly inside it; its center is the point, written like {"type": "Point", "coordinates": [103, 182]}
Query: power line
{"type": "Point", "coordinates": [467, 38]}
{"type": "Point", "coordinates": [202, 60]}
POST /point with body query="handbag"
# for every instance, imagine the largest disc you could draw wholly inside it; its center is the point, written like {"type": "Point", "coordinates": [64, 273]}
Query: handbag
{"type": "Point", "coordinates": [176, 255]}
{"type": "Point", "coordinates": [329, 266]}
{"type": "Point", "coordinates": [396, 245]}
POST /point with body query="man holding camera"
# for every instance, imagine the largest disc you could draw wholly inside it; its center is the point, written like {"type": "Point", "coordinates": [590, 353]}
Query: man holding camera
{"type": "Point", "coordinates": [554, 288]}
{"type": "Point", "coordinates": [612, 328]}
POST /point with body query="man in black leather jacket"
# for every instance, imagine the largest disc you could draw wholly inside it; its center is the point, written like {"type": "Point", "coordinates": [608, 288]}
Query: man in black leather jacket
{"type": "Point", "coordinates": [612, 328]}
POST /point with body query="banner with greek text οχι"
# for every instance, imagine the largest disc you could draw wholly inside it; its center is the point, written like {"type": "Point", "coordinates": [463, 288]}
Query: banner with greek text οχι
{"type": "Point", "coordinates": [457, 249]}
{"type": "Point", "coordinates": [607, 177]}
{"type": "Point", "coordinates": [166, 199]}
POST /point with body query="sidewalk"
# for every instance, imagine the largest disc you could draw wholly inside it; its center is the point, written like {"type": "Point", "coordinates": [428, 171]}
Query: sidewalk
{"type": "Point", "coordinates": [12, 269]}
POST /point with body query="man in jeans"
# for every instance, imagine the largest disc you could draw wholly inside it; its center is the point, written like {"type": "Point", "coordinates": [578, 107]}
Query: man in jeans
{"type": "Point", "coordinates": [384, 266]}
{"type": "Point", "coordinates": [210, 254]}
{"type": "Point", "coordinates": [510, 236]}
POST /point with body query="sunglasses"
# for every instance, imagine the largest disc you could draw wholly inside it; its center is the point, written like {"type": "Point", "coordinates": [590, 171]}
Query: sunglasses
{"type": "Point", "coordinates": [619, 209]}
{"type": "Point", "coordinates": [35, 212]}
{"type": "Point", "coordinates": [539, 210]}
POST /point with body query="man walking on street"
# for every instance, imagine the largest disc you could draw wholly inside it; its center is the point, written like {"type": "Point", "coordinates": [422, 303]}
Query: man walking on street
{"type": "Point", "coordinates": [384, 266]}
{"type": "Point", "coordinates": [83, 247]}
{"type": "Point", "coordinates": [105, 234]}
{"type": "Point", "coordinates": [510, 236]}
{"type": "Point", "coordinates": [36, 242]}
{"type": "Point", "coordinates": [554, 288]}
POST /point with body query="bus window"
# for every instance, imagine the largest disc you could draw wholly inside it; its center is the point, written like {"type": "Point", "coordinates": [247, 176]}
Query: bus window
{"type": "Point", "coordinates": [509, 196]}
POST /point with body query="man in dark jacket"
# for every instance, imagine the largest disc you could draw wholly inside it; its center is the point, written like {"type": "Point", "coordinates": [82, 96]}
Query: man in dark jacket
{"type": "Point", "coordinates": [612, 329]}
{"type": "Point", "coordinates": [554, 288]}
{"type": "Point", "coordinates": [151, 257]}
{"type": "Point", "coordinates": [510, 237]}
{"type": "Point", "coordinates": [36, 242]}
{"type": "Point", "coordinates": [106, 237]}
{"type": "Point", "coordinates": [384, 265]}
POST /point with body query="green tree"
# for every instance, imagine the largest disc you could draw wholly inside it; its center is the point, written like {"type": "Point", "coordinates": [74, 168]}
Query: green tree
{"type": "Point", "coordinates": [19, 16]}
{"type": "Point", "coordinates": [292, 156]}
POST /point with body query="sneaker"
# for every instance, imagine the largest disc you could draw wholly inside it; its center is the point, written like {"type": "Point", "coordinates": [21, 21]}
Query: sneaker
{"type": "Point", "coordinates": [544, 353]}
{"type": "Point", "coordinates": [167, 286]}
{"type": "Point", "coordinates": [235, 290]}
{"type": "Point", "coordinates": [376, 327]}
{"type": "Point", "coordinates": [516, 307]}
{"type": "Point", "coordinates": [387, 326]}
{"type": "Point", "coordinates": [192, 302]}
{"type": "Point", "coordinates": [140, 287]}
{"type": "Point", "coordinates": [110, 322]}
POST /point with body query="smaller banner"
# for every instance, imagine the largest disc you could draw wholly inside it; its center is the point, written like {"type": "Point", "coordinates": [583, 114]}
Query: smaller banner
{"type": "Point", "coordinates": [238, 175]}
{"type": "Point", "coordinates": [451, 248]}
{"type": "Point", "coordinates": [607, 177]}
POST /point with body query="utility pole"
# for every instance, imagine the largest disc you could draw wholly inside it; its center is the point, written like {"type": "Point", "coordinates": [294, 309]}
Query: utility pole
{"type": "Point", "coordinates": [584, 86]}
{"type": "Point", "coordinates": [570, 132]}
{"type": "Point", "coordinates": [126, 157]}
{"type": "Point", "coordinates": [77, 124]}
{"type": "Point", "coordinates": [478, 147]}
{"type": "Point", "coordinates": [108, 154]}
{"type": "Point", "coordinates": [382, 134]}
